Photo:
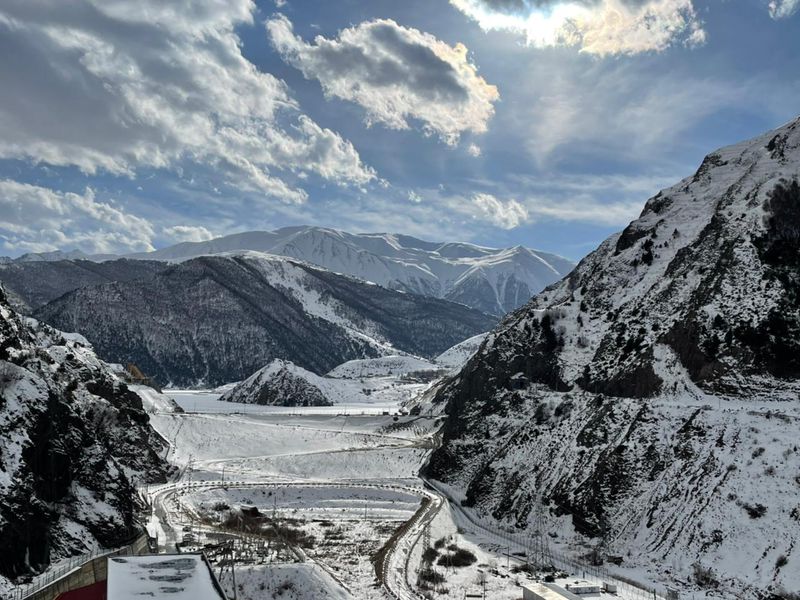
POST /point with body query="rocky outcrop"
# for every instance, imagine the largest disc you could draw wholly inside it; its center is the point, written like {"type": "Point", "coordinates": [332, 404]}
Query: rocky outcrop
{"type": "Point", "coordinates": [74, 442]}
{"type": "Point", "coordinates": [281, 383]}
{"type": "Point", "coordinates": [631, 399]}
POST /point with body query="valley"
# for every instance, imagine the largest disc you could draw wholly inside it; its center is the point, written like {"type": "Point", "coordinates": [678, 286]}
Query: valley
{"type": "Point", "coordinates": [349, 300]}
{"type": "Point", "coordinates": [319, 502]}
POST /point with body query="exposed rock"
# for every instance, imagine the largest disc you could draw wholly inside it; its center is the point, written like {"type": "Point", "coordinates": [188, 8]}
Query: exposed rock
{"type": "Point", "coordinates": [74, 442]}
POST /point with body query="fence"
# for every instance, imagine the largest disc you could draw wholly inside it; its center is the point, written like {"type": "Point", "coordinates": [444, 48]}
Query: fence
{"type": "Point", "coordinates": [559, 560]}
{"type": "Point", "coordinates": [71, 565]}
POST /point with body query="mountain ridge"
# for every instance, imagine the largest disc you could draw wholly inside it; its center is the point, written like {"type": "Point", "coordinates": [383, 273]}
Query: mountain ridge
{"type": "Point", "coordinates": [493, 280]}
{"type": "Point", "coordinates": [631, 399]}
{"type": "Point", "coordinates": [217, 319]}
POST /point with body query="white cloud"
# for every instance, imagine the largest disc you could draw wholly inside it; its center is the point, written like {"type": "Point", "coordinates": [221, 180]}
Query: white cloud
{"type": "Point", "coordinates": [395, 73]}
{"type": "Point", "coordinates": [117, 85]}
{"type": "Point", "coordinates": [585, 210]}
{"type": "Point", "coordinates": [188, 233]}
{"type": "Point", "coordinates": [474, 150]}
{"type": "Point", "coordinates": [779, 9]}
{"type": "Point", "coordinates": [38, 219]}
{"type": "Point", "coordinates": [414, 197]}
{"type": "Point", "coordinates": [507, 215]}
{"type": "Point", "coordinates": [602, 27]}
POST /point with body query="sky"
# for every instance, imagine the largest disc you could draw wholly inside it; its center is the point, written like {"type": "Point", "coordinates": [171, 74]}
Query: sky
{"type": "Point", "coordinates": [129, 125]}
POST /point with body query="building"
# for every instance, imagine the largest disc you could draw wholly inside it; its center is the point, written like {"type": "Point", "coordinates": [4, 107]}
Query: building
{"type": "Point", "coordinates": [546, 591]}
{"type": "Point", "coordinates": [584, 587]}
{"type": "Point", "coordinates": [173, 576]}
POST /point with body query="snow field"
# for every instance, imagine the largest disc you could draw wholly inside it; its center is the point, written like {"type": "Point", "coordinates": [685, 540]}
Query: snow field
{"type": "Point", "coordinates": [291, 581]}
{"type": "Point", "coordinates": [347, 525]}
{"type": "Point", "coordinates": [370, 464]}
{"type": "Point", "coordinates": [210, 437]}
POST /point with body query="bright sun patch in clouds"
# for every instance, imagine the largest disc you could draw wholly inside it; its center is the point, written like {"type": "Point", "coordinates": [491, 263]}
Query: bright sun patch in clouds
{"type": "Point", "coordinates": [395, 73]}
{"type": "Point", "coordinates": [602, 27]}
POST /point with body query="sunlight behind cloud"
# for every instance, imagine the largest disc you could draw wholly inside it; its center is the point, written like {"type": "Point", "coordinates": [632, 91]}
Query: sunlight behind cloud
{"type": "Point", "coordinates": [602, 27]}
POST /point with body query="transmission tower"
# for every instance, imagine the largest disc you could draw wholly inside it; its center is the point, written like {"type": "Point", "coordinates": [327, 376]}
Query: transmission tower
{"type": "Point", "coordinates": [540, 550]}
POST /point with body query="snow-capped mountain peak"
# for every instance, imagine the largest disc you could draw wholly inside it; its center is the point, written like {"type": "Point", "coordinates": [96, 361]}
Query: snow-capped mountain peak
{"type": "Point", "coordinates": [455, 271]}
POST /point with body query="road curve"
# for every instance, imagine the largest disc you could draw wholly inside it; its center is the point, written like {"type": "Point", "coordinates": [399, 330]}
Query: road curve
{"type": "Point", "coordinates": [396, 568]}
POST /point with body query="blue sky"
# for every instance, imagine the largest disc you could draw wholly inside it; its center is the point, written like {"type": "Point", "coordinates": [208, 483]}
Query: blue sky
{"type": "Point", "coordinates": [126, 126]}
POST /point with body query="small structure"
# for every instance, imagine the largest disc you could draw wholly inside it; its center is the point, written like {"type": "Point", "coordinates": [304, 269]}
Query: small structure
{"type": "Point", "coordinates": [544, 591]}
{"type": "Point", "coordinates": [609, 587]}
{"type": "Point", "coordinates": [583, 587]}
{"type": "Point", "coordinates": [176, 576]}
{"type": "Point", "coordinates": [133, 374]}
{"type": "Point", "coordinates": [152, 537]}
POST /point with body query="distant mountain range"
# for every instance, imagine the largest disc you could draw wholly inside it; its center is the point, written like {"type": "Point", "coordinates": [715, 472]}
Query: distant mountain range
{"type": "Point", "coordinates": [217, 319]}
{"type": "Point", "coordinates": [491, 280]}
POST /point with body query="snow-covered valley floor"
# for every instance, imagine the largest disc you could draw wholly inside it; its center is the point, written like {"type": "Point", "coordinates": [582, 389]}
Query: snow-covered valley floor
{"type": "Point", "coordinates": [341, 497]}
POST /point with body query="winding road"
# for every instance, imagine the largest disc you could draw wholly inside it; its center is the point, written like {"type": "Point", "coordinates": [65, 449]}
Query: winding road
{"type": "Point", "coordinates": [394, 561]}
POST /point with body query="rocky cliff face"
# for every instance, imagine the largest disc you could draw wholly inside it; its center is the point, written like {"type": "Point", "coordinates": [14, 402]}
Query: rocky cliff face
{"type": "Point", "coordinates": [217, 319]}
{"type": "Point", "coordinates": [649, 399]}
{"type": "Point", "coordinates": [74, 442]}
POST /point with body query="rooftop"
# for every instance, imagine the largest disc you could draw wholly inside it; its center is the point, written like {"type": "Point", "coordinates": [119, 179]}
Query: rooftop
{"type": "Point", "coordinates": [177, 576]}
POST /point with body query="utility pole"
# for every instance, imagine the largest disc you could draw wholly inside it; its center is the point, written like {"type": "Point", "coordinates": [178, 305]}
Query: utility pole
{"type": "Point", "coordinates": [233, 573]}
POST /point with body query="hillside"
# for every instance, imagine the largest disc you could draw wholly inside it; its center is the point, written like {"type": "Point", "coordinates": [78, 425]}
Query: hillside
{"type": "Point", "coordinates": [74, 442]}
{"type": "Point", "coordinates": [384, 366]}
{"type": "Point", "coordinates": [281, 383]}
{"type": "Point", "coordinates": [32, 283]}
{"type": "Point", "coordinates": [649, 401]}
{"type": "Point", "coordinates": [218, 319]}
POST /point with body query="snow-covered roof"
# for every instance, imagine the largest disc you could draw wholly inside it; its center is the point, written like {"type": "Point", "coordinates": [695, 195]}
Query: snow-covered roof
{"type": "Point", "coordinates": [179, 576]}
{"type": "Point", "coordinates": [544, 591]}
